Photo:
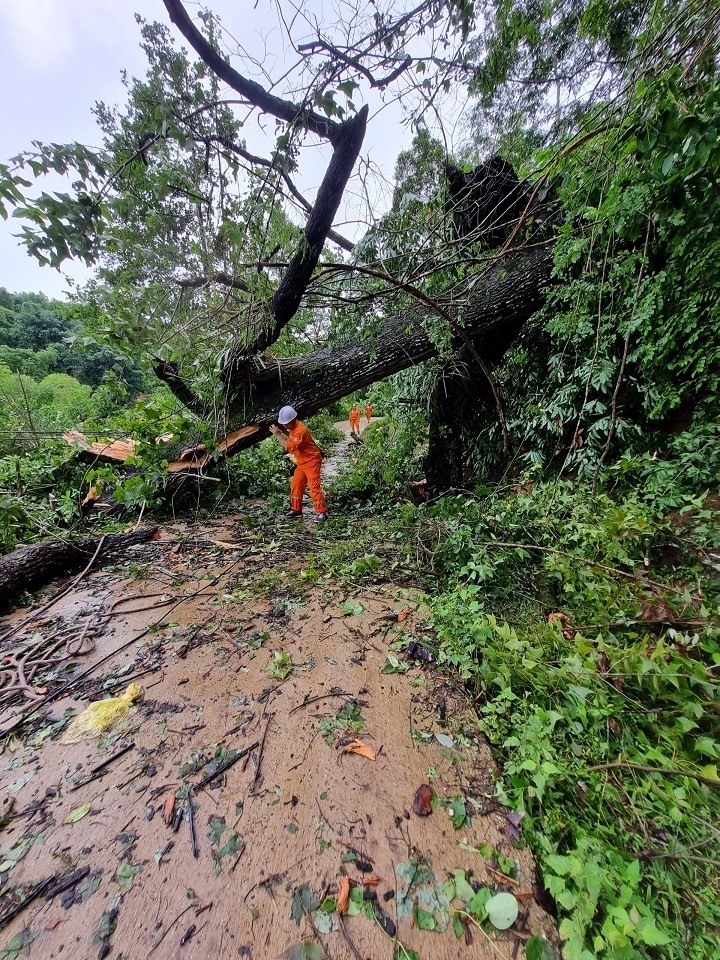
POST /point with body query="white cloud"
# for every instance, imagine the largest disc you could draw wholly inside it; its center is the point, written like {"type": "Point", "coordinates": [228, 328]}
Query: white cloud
{"type": "Point", "coordinates": [38, 31]}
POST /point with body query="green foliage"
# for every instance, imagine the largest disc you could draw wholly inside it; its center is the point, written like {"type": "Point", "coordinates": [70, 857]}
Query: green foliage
{"type": "Point", "coordinates": [40, 336]}
{"type": "Point", "coordinates": [389, 457]}
{"type": "Point", "coordinates": [579, 656]}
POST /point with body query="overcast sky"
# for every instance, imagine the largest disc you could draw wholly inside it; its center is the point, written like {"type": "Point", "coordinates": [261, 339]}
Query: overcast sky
{"type": "Point", "coordinates": [57, 57]}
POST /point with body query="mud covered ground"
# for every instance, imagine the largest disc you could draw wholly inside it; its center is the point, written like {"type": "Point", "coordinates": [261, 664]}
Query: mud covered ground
{"type": "Point", "coordinates": [239, 642]}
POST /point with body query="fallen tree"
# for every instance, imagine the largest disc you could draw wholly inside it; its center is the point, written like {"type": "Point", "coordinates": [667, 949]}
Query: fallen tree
{"type": "Point", "coordinates": [32, 566]}
{"type": "Point", "coordinates": [494, 310]}
{"type": "Point", "coordinates": [483, 312]}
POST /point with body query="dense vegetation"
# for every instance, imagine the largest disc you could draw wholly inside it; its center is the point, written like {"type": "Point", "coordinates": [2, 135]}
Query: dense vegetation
{"type": "Point", "coordinates": [573, 579]}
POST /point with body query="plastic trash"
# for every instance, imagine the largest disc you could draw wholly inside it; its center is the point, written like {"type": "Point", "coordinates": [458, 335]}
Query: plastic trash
{"type": "Point", "coordinates": [101, 715]}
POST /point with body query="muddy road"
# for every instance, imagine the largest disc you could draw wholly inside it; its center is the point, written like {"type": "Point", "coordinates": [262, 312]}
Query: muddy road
{"type": "Point", "coordinates": [270, 769]}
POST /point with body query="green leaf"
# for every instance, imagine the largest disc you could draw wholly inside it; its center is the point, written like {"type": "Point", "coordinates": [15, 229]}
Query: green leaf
{"type": "Point", "coordinates": [393, 665]}
{"type": "Point", "coordinates": [307, 950]}
{"type": "Point", "coordinates": [404, 953]}
{"type": "Point", "coordinates": [424, 919]}
{"type": "Point", "coordinates": [462, 888]}
{"type": "Point", "coordinates": [502, 910]}
{"type": "Point", "coordinates": [125, 874]}
{"type": "Point", "coordinates": [649, 934]}
{"type": "Point", "coordinates": [304, 902]}
{"type": "Point", "coordinates": [537, 948]}
{"type": "Point", "coordinates": [350, 608]}
{"type": "Point", "coordinates": [78, 813]}
{"type": "Point", "coordinates": [216, 828]}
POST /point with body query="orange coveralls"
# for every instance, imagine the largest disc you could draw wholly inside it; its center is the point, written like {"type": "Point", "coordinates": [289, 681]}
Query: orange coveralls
{"type": "Point", "coordinates": [355, 420]}
{"type": "Point", "coordinates": [368, 412]}
{"type": "Point", "coordinates": [307, 472]}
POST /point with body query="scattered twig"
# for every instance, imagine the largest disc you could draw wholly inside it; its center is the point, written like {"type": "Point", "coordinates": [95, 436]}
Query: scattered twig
{"type": "Point", "coordinates": [191, 821]}
{"type": "Point", "coordinates": [66, 882]}
{"type": "Point", "coordinates": [503, 877]}
{"type": "Point", "coordinates": [224, 766]}
{"type": "Point", "coordinates": [168, 929]}
{"type": "Point", "coordinates": [348, 941]}
{"type": "Point", "coordinates": [26, 901]}
{"type": "Point", "coordinates": [307, 750]}
{"type": "Point", "coordinates": [100, 768]}
{"type": "Point", "coordinates": [260, 755]}
{"type": "Point", "coordinates": [188, 935]}
{"type": "Point", "coordinates": [128, 643]}
{"type": "Point", "coordinates": [619, 765]}
{"type": "Point", "coordinates": [323, 696]}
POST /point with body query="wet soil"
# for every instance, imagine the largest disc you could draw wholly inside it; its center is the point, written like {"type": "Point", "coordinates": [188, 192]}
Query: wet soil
{"type": "Point", "coordinates": [278, 831]}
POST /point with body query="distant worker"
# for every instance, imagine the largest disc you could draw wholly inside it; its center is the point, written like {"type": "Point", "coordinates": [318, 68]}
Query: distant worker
{"type": "Point", "coordinates": [355, 419]}
{"type": "Point", "coordinates": [298, 441]}
{"type": "Point", "coordinates": [368, 411]}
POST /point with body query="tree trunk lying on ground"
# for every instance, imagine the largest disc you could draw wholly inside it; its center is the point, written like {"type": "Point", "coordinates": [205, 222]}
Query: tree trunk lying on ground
{"type": "Point", "coordinates": [30, 567]}
{"type": "Point", "coordinates": [491, 313]}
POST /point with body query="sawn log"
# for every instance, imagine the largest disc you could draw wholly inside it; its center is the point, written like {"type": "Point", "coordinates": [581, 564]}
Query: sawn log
{"type": "Point", "coordinates": [30, 567]}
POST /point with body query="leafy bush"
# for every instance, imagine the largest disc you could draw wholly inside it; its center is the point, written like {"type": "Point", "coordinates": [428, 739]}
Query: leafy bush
{"type": "Point", "coordinates": [581, 657]}
{"type": "Point", "coordinates": [389, 457]}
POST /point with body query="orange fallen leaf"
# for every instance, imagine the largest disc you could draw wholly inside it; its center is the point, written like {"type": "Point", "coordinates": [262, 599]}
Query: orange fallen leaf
{"type": "Point", "coordinates": [403, 615]}
{"type": "Point", "coordinates": [91, 497]}
{"type": "Point", "coordinates": [169, 807]}
{"type": "Point", "coordinates": [371, 881]}
{"type": "Point", "coordinates": [422, 803]}
{"type": "Point", "coordinates": [357, 746]}
{"type": "Point", "coordinates": [343, 895]}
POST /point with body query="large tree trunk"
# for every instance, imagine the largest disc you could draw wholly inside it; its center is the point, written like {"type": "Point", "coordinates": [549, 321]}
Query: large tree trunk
{"type": "Point", "coordinates": [495, 310]}
{"type": "Point", "coordinates": [32, 566]}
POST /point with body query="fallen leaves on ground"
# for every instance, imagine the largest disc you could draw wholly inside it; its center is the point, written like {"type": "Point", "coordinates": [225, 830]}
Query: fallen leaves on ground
{"type": "Point", "coordinates": [371, 881]}
{"type": "Point", "coordinates": [343, 895]}
{"type": "Point", "coordinates": [77, 814]}
{"type": "Point", "coordinates": [362, 749]}
{"type": "Point", "coordinates": [422, 804]}
{"type": "Point", "coordinates": [169, 807]}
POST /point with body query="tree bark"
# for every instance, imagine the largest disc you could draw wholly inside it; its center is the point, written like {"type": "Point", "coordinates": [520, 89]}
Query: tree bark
{"type": "Point", "coordinates": [32, 566]}
{"type": "Point", "coordinates": [445, 461]}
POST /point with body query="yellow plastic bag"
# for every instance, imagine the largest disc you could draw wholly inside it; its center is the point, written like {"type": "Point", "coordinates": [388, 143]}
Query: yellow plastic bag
{"type": "Point", "coordinates": [101, 715]}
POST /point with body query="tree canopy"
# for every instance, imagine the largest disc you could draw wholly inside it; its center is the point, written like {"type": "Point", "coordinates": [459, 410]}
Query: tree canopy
{"type": "Point", "coordinates": [239, 292]}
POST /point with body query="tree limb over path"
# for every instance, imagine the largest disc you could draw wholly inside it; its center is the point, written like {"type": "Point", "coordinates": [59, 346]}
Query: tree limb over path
{"type": "Point", "coordinates": [494, 311]}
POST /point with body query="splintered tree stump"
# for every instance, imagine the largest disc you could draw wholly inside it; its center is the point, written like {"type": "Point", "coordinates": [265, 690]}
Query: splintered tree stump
{"type": "Point", "coordinates": [32, 566]}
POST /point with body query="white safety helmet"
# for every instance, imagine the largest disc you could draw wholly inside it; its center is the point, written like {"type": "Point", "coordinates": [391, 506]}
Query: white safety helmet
{"type": "Point", "coordinates": [287, 415]}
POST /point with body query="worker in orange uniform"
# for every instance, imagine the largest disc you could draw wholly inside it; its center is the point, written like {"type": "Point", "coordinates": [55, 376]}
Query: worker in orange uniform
{"type": "Point", "coordinates": [298, 441]}
{"type": "Point", "coordinates": [368, 411]}
{"type": "Point", "coordinates": [354, 419]}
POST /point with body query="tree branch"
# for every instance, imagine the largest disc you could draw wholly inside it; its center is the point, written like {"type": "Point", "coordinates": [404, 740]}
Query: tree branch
{"type": "Point", "coordinates": [220, 277]}
{"type": "Point", "coordinates": [287, 297]}
{"type": "Point", "coordinates": [168, 373]}
{"type": "Point", "coordinates": [304, 203]}
{"type": "Point", "coordinates": [355, 63]}
{"type": "Point", "coordinates": [285, 110]}
{"type": "Point", "coordinates": [503, 299]}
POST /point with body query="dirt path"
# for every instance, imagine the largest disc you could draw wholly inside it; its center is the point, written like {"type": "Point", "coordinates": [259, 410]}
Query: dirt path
{"type": "Point", "coordinates": [342, 451]}
{"type": "Point", "coordinates": [278, 832]}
